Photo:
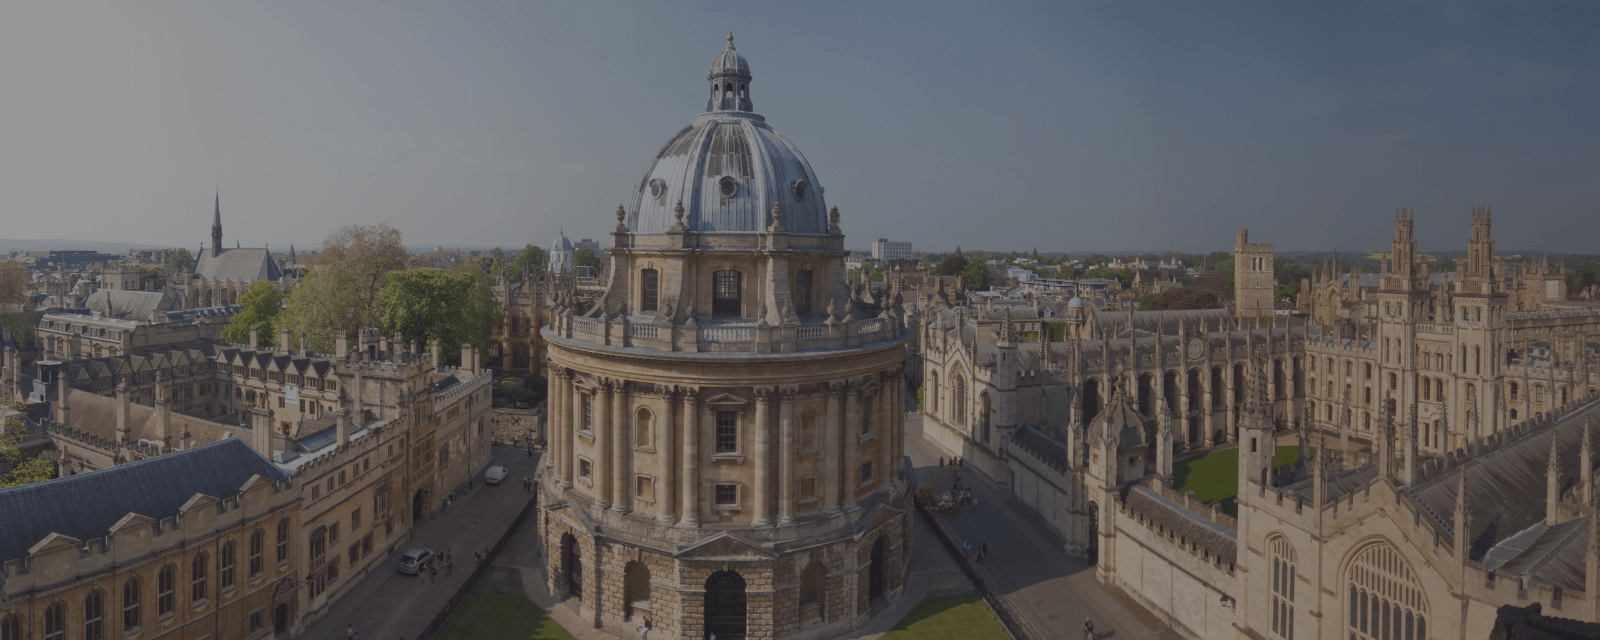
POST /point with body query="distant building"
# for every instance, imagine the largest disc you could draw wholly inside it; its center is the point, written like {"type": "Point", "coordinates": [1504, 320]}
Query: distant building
{"type": "Point", "coordinates": [591, 245]}
{"type": "Point", "coordinates": [65, 259]}
{"type": "Point", "coordinates": [884, 250]}
{"type": "Point", "coordinates": [124, 322]}
{"type": "Point", "coordinates": [561, 254]}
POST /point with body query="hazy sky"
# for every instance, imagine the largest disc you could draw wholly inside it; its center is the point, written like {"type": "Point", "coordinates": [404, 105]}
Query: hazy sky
{"type": "Point", "coordinates": [1061, 126]}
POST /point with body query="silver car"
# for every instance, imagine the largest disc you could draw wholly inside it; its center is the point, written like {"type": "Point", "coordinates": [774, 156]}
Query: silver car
{"type": "Point", "coordinates": [495, 474]}
{"type": "Point", "coordinates": [416, 561]}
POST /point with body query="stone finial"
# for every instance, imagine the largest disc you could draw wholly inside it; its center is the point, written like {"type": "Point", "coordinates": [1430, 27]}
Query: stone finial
{"type": "Point", "coordinates": [621, 213]}
{"type": "Point", "coordinates": [833, 218]}
{"type": "Point", "coordinates": [677, 211]}
{"type": "Point", "coordinates": [777, 218]}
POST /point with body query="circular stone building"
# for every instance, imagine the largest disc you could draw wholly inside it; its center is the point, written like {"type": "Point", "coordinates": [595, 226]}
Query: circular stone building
{"type": "Point", "coordinates": [726, 430]}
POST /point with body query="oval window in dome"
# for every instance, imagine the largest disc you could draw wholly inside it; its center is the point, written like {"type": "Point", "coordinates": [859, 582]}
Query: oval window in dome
{"type": "Point", "coordinates": [655, 188]}
{"type": "Point", "coordinates": [800, 190]}
{"type": "Point", "coordinates": [729, 187]}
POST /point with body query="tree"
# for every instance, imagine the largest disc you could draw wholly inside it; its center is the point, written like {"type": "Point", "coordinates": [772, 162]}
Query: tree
{"type": "Point", "coordinates": [179, 260]}
{"type": "Point", "coordinates": [454, 307]}
{"type": "Point", "coordinates": [876, 275]}
{"type": "Point", "coordinates": [584, 257]}
{"type": "Point", "coordinates": [1289, 291]}
{"type": "Point", "coordinates": [152, 277]}
{"type": "Point", "coordinates": [1175, 299]}
{"type": "Point", "coordinates": [529, 261]}
{"type": "Point", "coordinates": [20, 469]}
{"type": "Point", "coordinates": [1123, 275]}
{"type": "Point", "coordinates": [952, 265]}
{"type": "Point", "coordinates": [974, 274]}
{"type": "Point", "coordinates": [1447, 265]}
{"type": "Point", "coordinates": [260, 305]}
{"type": "Point", "coordinates": [1286, 271]}
{"type": "Point", "coordinates": [343, 289]}
{"type": "Point", "coordinates": [1215, 259]}
{"type": "Point", "coordinates": [17, 313]}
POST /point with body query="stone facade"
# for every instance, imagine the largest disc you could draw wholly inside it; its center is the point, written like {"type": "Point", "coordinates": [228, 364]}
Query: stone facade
{"type": "Point", "coordinates": [1254, 291]}
{"type": "Point", "coordinates": [726, 423]}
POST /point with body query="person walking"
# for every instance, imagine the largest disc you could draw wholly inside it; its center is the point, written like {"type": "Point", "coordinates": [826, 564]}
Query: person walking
{"type": "Point", "coordinates": [448, 563]}
{"type": "Point", "coordinates": [644, 630]}
{"type": "Point", "coordinates": [941, 462]}
{"type": "Point", "coordinates": [433, 574]}
{"type": "Point", "coordinates": [966, 548]}
{"type": "Point", "coordinates": [1088, 629]}
{"type": "Point", "coordinates": [349, 632]}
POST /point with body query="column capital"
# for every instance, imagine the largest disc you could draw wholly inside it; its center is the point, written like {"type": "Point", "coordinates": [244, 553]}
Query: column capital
{"type": "Point", "coordinates": [852, 386]}
{"type": "Point", "coordinates": [786, 393]}
{"type": "Point", "coordinates": [690, 394]}
{"type": "Point", "coordinates": [835, 388]}
{"type": "Point", "coordinates": [665, 391]}
{"type": "Point", "coordinates": [764, 394]}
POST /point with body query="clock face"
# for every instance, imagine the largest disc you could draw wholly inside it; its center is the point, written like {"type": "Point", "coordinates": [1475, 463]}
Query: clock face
{"type": "Point", "coordinates": [1196, 348]}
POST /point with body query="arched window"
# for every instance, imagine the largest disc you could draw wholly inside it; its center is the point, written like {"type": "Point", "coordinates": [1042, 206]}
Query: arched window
{"type": "Point", "coordinates": [283, 540]}
{"type": "Point", "coordinates": [130, 605]}
{"type": "Point", "coordinates": [1477, 353]}
{"type": "Point", "coordinates": [649, 290]}
{"type": "Point", "coordinates": [1438, 389]}
{"type": "Point", "coordinates": [642, 426]}
{"type": "Point", "coordinates": [636, 583]}
{"type": "Point", "coordinates": [802, 292]}
{"type": "Point", "coordinates": [1282, 602]}
{"type": "Point", "coordinates": [1538, 393]}
{"type": "Point", "coordinates": [727, 294]}
{"type": "Point", "coordinates": [1513, 391]}
{"type": "Point", "coordinates": [1384, 599]}
{"type": "Point", "coordinates": [1427, 389]}
{"type": "Point", "coordinates": [166, 603]}
{"type": "Point", "coordinates": [225, 566]}
{"type": "Point", "coordinates": [11, 627]}
{"type": "Point", "coordinates": [94, 615]}
{"type": "Point", "coordinates": [258, 540]}
{"type": "Point", "coordinates": [55, 621]}
{"type": "Point", "coordinates": [958, 400]}
{"type": "Point", "coordinates": [197, 579]}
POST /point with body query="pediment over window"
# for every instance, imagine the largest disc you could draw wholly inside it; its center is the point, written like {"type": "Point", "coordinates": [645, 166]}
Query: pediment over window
{"type": "Point", "coordinates": [726, 399]}
{"type": "Point", "coordinates": [726, 546]}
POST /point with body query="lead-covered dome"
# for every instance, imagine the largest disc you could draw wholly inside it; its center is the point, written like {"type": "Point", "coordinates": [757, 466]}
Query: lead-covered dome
{"type": "Point", "coordinates": [728, 167]}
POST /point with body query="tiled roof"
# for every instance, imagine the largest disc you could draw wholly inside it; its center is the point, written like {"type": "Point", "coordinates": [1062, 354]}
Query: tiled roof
{"type": "Point", "coordinates": [237, 264]}
{"type": "Point", "coordinates": [85, 506]}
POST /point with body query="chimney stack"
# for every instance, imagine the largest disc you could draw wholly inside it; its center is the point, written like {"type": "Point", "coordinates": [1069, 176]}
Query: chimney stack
{"type": "Point", "coordinates": [261, 431]}
{"type": "Point", "coordinates": [163, 418]}
{"type": "Point", "coordinates": [255, 337]}
{"type": "Point", "coordinates": [124, 406]}
{"type": "Point", "coordinates": [469, 360]}
{"type": "Point", "coordinates": [283, 338]}
{"type": "Point", "coordinates": [341, 345]}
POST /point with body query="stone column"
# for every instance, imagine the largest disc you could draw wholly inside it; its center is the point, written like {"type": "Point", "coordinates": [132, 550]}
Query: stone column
{"type": "Point", "coordinates": [1232, 402]}
{"type": "Point", "coordinates": [1206, 408]}
{"type": "Point", "coordinates": [786, 454]}
{"type": "Point", "coordinates": [622, 450]}
{"type": "Point", "coordinates": [763, 486]}
{"type": "Point", "coordinates": [851, 437]}
{"type": "Point", "coordinates": [602, 444]}
{"type": "Point", "coordinates": [691, 458]}
{"type": "Point", "coordinates": [569, 429]}
{"type": "Point", "coordinates": [886, 398]}
{"type": "Point", "coordinates": [665, 515]}
{"type": "Point", "coordinates": [553, 425]}
{"type": "Point", "coordinates": [830, 449]}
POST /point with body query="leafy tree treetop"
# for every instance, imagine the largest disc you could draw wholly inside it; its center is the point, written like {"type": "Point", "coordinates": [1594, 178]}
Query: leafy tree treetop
{"type": "Point", "coordinates": [259, 305]}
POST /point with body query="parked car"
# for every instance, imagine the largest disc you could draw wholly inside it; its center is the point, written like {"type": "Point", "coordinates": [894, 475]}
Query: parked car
{"type": "Point", "coordinates": [416, 561]}
{"type": "Point", "coordinates": [495, 474]}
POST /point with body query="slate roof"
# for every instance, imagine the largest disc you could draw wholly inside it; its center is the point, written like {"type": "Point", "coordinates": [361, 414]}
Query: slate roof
{"type": "Point", "coordinates": [97, 415]}
{"type": "Point", "coordinates": [1220, 541]}
{"type": "Point", "coordinates": [1042, 447]}
{"type": "Point", "coordinates": [237, 264]}
{"type": "Point", "coordinates": [127, 305]}
{"type": "Point", "coordinates": [85, 506]}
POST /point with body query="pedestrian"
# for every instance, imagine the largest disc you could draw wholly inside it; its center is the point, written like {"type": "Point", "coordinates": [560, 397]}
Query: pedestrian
{"type": "Point", "coordinates": [477, 558]}
{"type": "Point", "coordinates": [447, 502]}
{"type": "Point", "coordinates": [349, 631]}
{"type": "Point", "coordinates": [530, 450]}
{"type": "Point", "coordinates": [966, 548]}
{"type": "Point", "coordinates": [433, 575]}
{"type": "Point", "coordinates": [984, 548]}
{"type": "Point", "coordinates": [974, 505]}
{"type": "Point", "coordinates": [1088, 629]}
{"type": "Point", "coordinates": [941, 461]}
{"type": "Point", "coordinates": [644, 629]}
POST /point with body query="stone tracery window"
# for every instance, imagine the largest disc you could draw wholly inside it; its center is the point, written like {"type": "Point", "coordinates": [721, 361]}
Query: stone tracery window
{"type": "Point", "coordinates": [1384, 600]}
{"type": "Point", "coordinates": [1282, 601]}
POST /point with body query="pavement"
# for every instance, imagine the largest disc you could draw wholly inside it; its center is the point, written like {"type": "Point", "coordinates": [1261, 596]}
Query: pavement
{"type": "Point", "coordinates": [1051, 591]}
{"type": "Point", "coordinates": [386, 604]}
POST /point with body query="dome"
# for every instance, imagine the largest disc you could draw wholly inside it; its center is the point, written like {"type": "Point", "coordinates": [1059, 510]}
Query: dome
{"type": "Point", "coordinates": [561, 243]}
{"type": "Point", "coordinates": [729, 62]}
{"type": "Point", "coordinates": [1075, 302]}
{"type": "Point", "coordinates": [728, 168]}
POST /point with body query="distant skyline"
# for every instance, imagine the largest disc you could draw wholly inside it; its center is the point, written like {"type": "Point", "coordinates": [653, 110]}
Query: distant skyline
{"type": "Point", "coordinates": [1061, 126]}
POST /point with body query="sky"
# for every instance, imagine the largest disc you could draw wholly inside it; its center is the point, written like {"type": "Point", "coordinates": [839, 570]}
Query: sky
{"type": "Point", "coordinates": [1061, 126]}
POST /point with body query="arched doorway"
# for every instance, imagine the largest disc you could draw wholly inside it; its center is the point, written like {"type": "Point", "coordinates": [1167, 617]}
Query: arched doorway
{"type": "Point", "coordinates": [280, 618]}
{"type": "Point", "coordinates": [725, 605]}
{"type": "Point", "coordinates": [417, 500]}
{"type": "Point", "coordinates": [636, 589]}
{"type": "Point", "coordinates": [875, 572]}
{"type": "Point", "coordinates": [571, 569]}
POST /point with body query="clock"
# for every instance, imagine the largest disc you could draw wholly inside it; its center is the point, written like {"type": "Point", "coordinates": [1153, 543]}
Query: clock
{"type": "Point", "coordinates": [1197, 349]}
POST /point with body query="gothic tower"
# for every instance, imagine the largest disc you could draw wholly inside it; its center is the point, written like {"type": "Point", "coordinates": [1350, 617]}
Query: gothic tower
{"type": "Point", "coordinates": [1253, 287]}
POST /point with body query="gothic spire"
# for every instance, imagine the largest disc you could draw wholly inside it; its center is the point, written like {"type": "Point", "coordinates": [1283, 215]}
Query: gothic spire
{"type": "Point", "coordinates": [216, 227]}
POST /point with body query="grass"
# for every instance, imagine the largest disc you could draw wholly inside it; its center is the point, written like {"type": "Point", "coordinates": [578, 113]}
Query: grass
{"type": "Point", "coordinates": [486, 616]}
{"type": "Point", "coordinates": [949, 618]}
{"type": "Point", "coordinates": [1214, 477]}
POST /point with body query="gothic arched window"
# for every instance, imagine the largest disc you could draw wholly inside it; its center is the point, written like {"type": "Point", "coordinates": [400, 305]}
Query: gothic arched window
{"type": "Point", "coordinates": [1384, 599]}
{"type": "Point", "coordinates": [1282, 601]}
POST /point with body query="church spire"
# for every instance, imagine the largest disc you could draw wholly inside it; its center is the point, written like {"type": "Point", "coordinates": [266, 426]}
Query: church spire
{"type": "Point", "coordinates": [216, 227]}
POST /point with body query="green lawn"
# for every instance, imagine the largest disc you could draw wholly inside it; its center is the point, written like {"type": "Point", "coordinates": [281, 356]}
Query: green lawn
{"type": "Point", "coordinates": [1214, 477]}
{"type": "Point", "coordinates": [949, 618]}
{"type": "Point", "coordinates": [486, 616]}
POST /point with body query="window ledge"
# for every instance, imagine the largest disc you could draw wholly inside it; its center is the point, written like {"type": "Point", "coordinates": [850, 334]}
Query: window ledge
{"type": "Point", "coordinates": [868, 437]}
{"type": "Point", "coordinates": [201, 605]}
{"type": "Point", "coordinates": [735, 458]}
{"type": "Point", "coordinates": [644, 449]}
{"type": "Point", "coordinates": [728, 508]}
{"type": "Point", "coordinates": [807, 501]}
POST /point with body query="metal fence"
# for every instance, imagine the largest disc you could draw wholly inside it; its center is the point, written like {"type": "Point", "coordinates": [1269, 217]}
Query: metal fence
{"type": "Point", "coordinates": [1015, 625]}
{"type": "Point", "coordinates": [443, 618]}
